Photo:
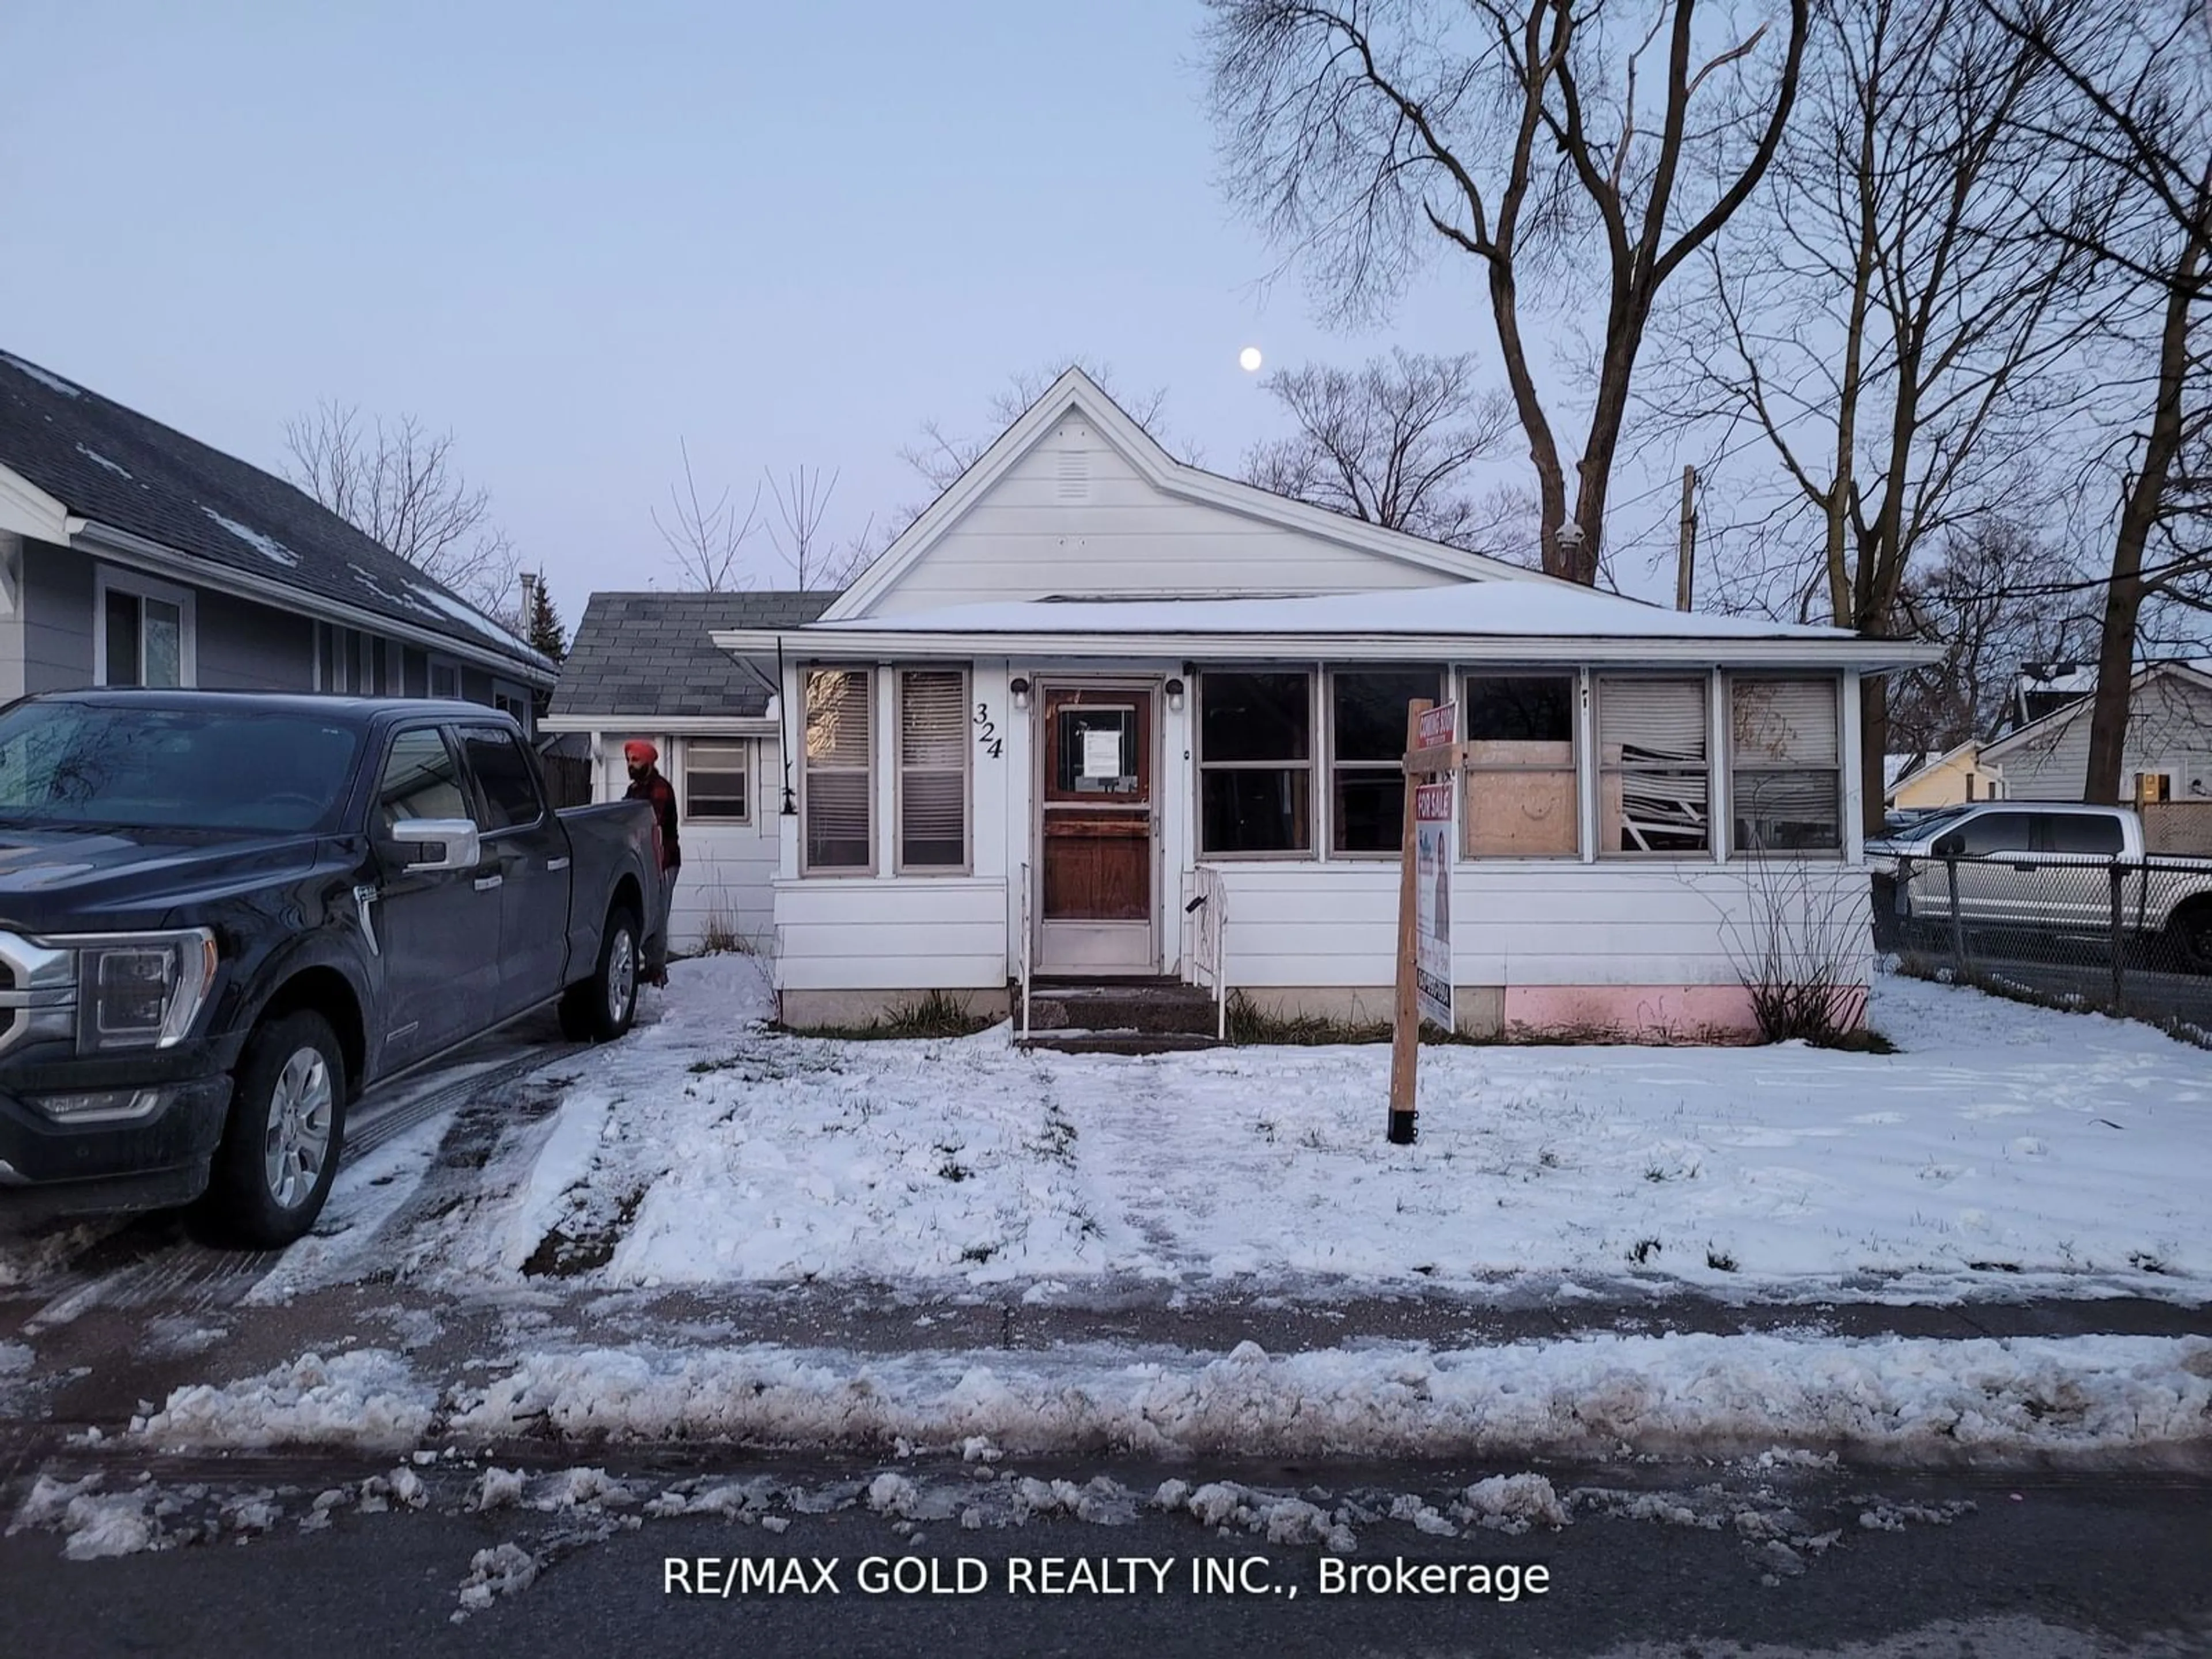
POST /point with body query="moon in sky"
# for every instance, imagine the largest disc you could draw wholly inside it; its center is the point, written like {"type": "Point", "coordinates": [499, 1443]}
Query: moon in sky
{"type": "Point", "coordinates": [1249, 359]}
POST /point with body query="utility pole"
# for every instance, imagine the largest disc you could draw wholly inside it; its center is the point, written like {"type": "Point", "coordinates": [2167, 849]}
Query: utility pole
{"type": "Point", "coordinates": [1682, 583]}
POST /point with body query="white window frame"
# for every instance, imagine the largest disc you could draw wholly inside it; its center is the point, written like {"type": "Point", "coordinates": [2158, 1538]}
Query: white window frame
{"type": "Point", "coordinates": [1578, 740]}
{"type": "Point", "coordinates": [868, 678]}
{"type": "Point", "coordinates": [745, 768]}
{"type": "Point", "coordinates": [1318, 828]}
{"type": "Point", "coordinates": [1835, 685]}
{"type": "Point", "coordinates": [109, 578]}
{"type": "Point", "coordinates": [899, 768]}
{"type": "Point", "coordinates": [1711, 695]}
{"type": "Point", "coordinates": [446, 665]}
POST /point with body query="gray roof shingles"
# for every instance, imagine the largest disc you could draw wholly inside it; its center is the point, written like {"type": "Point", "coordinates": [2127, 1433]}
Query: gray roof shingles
{"type": "Point", "coordinates": [118, 468]}
{"type": "Point", "coordinates": [637, 657]}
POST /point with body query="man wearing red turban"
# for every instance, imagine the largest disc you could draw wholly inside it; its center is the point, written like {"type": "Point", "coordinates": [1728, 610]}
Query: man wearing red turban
{"type": "Point", "coordinates": [647, 784]}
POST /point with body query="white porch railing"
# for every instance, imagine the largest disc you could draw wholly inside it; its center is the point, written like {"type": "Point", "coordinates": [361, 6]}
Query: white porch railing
{"type": "Point", "coordinates": [1022, 952]}
{"type": "Point", "coordinates": [1208, 910]}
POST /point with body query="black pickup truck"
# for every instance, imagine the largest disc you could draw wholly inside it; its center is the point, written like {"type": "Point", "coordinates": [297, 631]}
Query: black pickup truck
{"type": "Point", "coordinates": [223, 914]}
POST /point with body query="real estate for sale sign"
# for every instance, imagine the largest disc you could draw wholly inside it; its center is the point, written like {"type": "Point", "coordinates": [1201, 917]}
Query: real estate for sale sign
{"type": "Point", "coordinates": [1432, 839]}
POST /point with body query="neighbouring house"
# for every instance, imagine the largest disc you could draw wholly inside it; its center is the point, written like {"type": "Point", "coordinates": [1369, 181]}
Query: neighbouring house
{"type": "Point", "coordinates": [645, 665]}
{"type": "Point", "coordinates": [1918, 782]}
{"type": "Point", "coordinates": [132, 554]}
{"type": "Point", "coordinates": [2168, 754]}
{"type": "Point", "coordinates": [1098, 713]}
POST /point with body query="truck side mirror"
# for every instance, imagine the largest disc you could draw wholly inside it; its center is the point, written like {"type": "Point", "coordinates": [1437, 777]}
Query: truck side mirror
{"type": "Point", "coordinates": [1950, 845]}
{"type": "Point", "coordinates": [430, 844]}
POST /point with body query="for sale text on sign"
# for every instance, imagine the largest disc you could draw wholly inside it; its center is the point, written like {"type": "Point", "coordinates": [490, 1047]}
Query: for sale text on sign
{"type": "Point", "coordinates": [1432, 863]}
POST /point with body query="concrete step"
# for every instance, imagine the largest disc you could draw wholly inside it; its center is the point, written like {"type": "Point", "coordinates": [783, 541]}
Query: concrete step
{"type": "Point", "coordinates": [1145, 1007]}
{"type": "Point", "coordinates": [1119, 1043]}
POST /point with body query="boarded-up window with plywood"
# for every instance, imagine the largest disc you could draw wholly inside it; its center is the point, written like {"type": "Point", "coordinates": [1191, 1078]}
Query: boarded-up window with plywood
{"type": "Point", "coordinates": [836, 782]}
{"type": "Point", "coordinates": [1367, 749]}
{"type": "Point", "coordinates": [1654, 777]}
{"type": "Point", "coordinates": [932, 781]}
{"type": "Point", "coordinates": [1519, 766]}
{"type": "Point", "coordinates": [1785, 784]}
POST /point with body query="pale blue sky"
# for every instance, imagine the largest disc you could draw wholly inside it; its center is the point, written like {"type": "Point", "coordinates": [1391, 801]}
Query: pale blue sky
{"type": "Point", "coordinates": [573, 232]}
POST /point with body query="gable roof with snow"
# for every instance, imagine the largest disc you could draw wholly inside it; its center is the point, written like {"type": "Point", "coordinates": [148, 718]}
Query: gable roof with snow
{"type": "Point", "coordinates": [651, 656]}
{"type": "Point", "coordinates": [1076, 499]}
{"type": "Point", "coordinates": [120, 470]}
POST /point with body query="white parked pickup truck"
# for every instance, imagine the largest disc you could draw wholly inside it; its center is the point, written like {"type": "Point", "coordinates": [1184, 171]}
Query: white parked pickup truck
{"type": "Point", "coordinates": [2044, 867]}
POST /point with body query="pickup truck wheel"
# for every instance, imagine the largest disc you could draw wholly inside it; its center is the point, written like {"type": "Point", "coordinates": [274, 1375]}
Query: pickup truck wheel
{"type": "Point", "coordinates": [2191, 930]}
{"type": "Point", "coordinates": [280, 1151]}
{"type": "Point", "coordinates": [601, 1009]}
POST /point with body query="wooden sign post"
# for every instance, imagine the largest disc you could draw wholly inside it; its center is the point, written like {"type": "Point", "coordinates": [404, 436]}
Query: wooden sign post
{"type": "Point", "coordinates": [1430, 749]}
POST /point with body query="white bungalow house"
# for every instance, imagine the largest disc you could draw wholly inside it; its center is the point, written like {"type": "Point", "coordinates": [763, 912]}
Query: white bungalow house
{"type": "Point", "coordinates": [1091, 687]}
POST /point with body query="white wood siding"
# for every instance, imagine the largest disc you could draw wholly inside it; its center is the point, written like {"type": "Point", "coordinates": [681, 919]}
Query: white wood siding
{"type": "Point", "coordinates": [728, 875]}
{"type": "Point", "coordinates": [1074, 517]}
{"type": "Point", "coordinates": [1537, 922]}
{"type": "Point", "coordinates": [2169, 730]}
{"type": "Point", "coordinates": [865, 934]}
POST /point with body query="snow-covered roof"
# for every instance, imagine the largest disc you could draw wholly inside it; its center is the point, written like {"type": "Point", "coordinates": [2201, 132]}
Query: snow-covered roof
{"type": "Point", "coordinates": [125, 481]}
{"type": "Point", "coordinates": [1472, 621]}
{"type": "Point", "coordinates": [1519, 608]}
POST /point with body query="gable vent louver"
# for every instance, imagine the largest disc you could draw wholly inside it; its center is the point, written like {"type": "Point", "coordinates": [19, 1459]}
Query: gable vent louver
{"type": "Point", "coordinates": [1074, 475]}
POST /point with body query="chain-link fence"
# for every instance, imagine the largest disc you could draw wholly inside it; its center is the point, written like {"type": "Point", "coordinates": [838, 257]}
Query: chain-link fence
{"type": "Point", "coordinates": [2129, 936]}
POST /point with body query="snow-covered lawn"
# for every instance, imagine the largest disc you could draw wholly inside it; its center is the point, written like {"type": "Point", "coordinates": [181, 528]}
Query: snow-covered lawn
{"type": "Point", "coordinates": [2005, 1149]}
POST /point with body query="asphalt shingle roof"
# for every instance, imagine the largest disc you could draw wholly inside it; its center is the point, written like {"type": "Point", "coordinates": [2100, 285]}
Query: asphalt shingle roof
{"type": "Point", "coordinates": [118, 468]}
{"type": "Point", "coordinates": [637, 656]}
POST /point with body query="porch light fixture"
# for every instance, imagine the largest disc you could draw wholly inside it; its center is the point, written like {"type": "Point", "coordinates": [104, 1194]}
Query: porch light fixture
{"type": "Point", "coordinates": [1174, 696]}
{"type": "Point", "coordinates": [1020, 688]}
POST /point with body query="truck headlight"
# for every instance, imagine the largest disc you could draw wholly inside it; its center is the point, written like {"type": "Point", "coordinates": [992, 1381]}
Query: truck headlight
{"type": "Point", "coordinates": [141, 991]}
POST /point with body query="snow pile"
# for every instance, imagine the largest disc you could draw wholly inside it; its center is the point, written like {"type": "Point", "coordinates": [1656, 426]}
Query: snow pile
{"type": "Point", "coordinates": [1886, 1397]}
{"type": "Point", "coordinates": [367, 1398]}
{"type": "Point", "coordinates": [95, 1524]}
{"type": "Point", "coordinates": [506, 1571]}
{"type": "Point", "coordinates": [267, 546]}
{"type": "Point", "coordinates": [1514, 1503]}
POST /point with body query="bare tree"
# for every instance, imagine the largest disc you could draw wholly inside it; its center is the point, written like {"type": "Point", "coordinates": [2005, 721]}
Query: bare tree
{"type": "Point", "coordinates": [2144, 127]}
{"type": "Point", "coordinates": [941, 454]}
{"type": "Point", "coordinates": [1998, 596]}
{"type": "Point", "coordinates": [396, 482]}
{"type": "Point", "coordinates": [1889, 319]}
{"type": "Point", "coordinates": [1391, 442]}
{"type": "Point", "coordinates": [801, 501]}
{"type": "Point", "coordinates": [1528, 135]}
{"type": "Point", "coordinates": [707, 541]}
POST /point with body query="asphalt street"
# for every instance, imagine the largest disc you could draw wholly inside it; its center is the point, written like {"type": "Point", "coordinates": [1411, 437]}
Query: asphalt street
{"type": "Point", "coordinates": [2077, 1566]}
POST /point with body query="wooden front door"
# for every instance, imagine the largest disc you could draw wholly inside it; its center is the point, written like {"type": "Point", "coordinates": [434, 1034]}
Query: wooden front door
{"type": "Point", "coordinates": [1096, 901]}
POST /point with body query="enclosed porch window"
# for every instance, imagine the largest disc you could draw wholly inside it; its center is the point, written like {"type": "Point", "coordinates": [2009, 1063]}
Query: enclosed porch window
{"type": "Point", "coordinates": [932, 779]}
{"type": "Point", "coordinates": [1653, 769]}
{"type": "Point", "coordinates": [1785, 786]}
{"type": "Point", "coordinates": [836, 781]}
{"type": "Point", "coordinates": [1521, 800]}
{"type": "Point", "coordinates": [1255, 760]}
{"type": "Point", "coordinates": [1367, 747]}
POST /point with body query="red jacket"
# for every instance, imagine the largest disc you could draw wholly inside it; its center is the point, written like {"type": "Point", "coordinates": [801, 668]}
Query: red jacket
{"type": "Point", "coordinates": [662, 793]}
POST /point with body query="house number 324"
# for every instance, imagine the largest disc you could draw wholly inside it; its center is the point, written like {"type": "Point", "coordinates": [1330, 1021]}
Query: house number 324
{"type": "Point", "coordinates": [987, 733]}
